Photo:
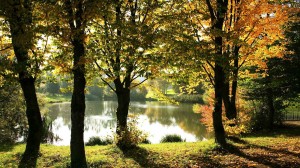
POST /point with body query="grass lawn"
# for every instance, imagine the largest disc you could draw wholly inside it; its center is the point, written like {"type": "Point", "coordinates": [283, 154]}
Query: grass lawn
{"type": "Point", "coordinates": [57, 98]}
{"type": "Point", "coordinates": [266, 149]}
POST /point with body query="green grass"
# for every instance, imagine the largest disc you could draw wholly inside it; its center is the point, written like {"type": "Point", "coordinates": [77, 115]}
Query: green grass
{"type": "Point", "coordinates": [110, 155]}
{"type": "Point", "coordinates": [57, 98]}
{"type": "Point", "coordinates": [282, 143]}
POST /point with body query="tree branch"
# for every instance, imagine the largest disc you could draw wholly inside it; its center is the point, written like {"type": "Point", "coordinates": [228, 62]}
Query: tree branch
{"type": "Point", "coordinates": [139, 83]}
{"type": "Point", "coordinates": [108, 85]}
{"type": "Point", "coordinates": [209, 75]}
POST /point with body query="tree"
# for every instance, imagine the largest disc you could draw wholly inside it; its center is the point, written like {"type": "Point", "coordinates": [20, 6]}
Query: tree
{"type": "Point", "coordinates": [123, 48]}
{"type": "Point", "coordinates": [68, 30]}
{"type": "Point", "coordinates": [75, 13]}
{"type": "Point", "coordinates": [217, 17]}
{"type": "Point", "coordinates": [19, 15]}
{"type": "Point", "coordinates": [244, 37]}
{"type": "Point", "coordinates": [279, 82]}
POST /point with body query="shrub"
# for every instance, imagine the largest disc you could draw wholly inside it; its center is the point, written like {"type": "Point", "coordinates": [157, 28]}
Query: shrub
{"type": "Point", "coordinates": [146, 141]}
{"type": "Point", "coordinates": [241, 124]}
{"type": "Point", "coordinates": [172, 138]}
{"type": "Point", "coordinates": [131, 137]}
{"type": "Point", "coordinates": [98, 141]}
{"type": "Point", "coordinates": [13, 122]}
{"type": "Point", "coordinates": [189, 98]}
{"type": "Point", "coordinates": [260, 115]}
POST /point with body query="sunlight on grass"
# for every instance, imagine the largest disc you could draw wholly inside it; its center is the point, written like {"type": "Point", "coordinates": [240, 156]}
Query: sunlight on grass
{"type": "Point", "coordinates": [181, 154]}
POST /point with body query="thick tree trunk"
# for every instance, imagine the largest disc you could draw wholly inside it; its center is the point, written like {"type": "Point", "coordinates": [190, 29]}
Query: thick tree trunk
{"type": "Point", "coordinates": [34, 121]}
{"type": "Point", "coordinates": [122, 110]}
{"type": "Point", "coordinates": [78, 158]}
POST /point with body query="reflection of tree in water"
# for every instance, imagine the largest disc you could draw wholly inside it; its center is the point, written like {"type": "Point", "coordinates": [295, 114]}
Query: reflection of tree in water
{"type": "Point", "coordinates": [101, 115]}
{"type": "Point", "coordinates": [62, 110]}
{"type": "Point", "coordinates": [97, 123]}
{"type": "Point", "coordinates": [168, 115]}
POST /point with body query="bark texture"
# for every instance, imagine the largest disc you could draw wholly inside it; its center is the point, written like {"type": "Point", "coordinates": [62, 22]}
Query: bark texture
{"type": "Point", "coordinates": [19, 14]}
{"type": "Point", "coordinates": [217, 18]}
{"type": "Point", "coordinates": [75, 14]}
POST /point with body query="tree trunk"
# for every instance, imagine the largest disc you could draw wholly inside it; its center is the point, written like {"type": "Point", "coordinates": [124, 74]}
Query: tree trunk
{"type": "Point", "coordinates": [230, 102]}
{"type": "Point", "coordinates": [34, 121]}
{"type": "Point", "coordinates": [217, 19]}
{"type": "Point", "coordinates": [226, 100]}
{"type": "Point", "coordinates": [78, 158]}
{"type": "Point", "coordinates": [75, 12]}
{"type": "Point", "coordinates": [217, 113]}
{"type": "Point", "coordinates": [123, 95]}
{"type": "Point", "coordinates": [19, 16]}
{"type": "Point", "coordinates": [234, 82]}
{"type": "Point", "coordinates": [122, 110]}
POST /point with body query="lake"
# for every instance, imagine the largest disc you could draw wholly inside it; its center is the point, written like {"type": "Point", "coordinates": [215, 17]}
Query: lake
{"type": "Point", "coordinates": [157, 119]}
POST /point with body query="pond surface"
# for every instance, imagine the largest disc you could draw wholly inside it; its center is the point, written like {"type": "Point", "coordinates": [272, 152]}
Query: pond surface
{"type": "Point", "coordinates": [157, 119]}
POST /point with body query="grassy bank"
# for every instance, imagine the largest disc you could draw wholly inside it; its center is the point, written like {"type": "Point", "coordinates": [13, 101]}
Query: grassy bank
{"type": "Point", "coordinates": [276, 149]}
{"type": "Point", "coordinates": [57, 98]}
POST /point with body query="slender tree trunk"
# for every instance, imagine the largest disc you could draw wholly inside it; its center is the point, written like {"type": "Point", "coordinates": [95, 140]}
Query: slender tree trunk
{"type": "Point", "coordinates": [235, 81]}
{"type": "Point", "coordinates": [34, 121]}
{"type": "Point", "coordinates": [75, 12]}
{"type": "Point", "coordinates": [217, 113]}
{"type": "Point", "coordinates": [217, 18]}
{"type": "Point", "coordinates": [230, 102]}
{"type": "Point", "coordinates": [226, 100]}
{"type": "Point", "coordinates": [19, 14]}
{"type": "Point", "coordinates": [78, 158]}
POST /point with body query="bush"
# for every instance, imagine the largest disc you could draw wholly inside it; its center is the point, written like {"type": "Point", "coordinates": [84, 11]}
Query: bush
{"type": "Point", "coordinates": [172, 138]}
{"type": "Point", "coordinates": [131, 137]}
{"type": "Point", "coordinates": [260, 115]}
{"type": "Point", "coordinates": [146, 141]}
{"type": "Point", "coordinates": [13, 121]}
{"type": "Point", "coordinates": [98, 141]}
{"type": "Point", "coordinates": [189, 98]}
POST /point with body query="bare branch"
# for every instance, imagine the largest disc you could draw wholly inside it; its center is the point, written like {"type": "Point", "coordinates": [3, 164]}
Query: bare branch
{"type": "Point", "coordinates": [209, 75]}
{"type": "Point", "coordinates": [108, 85]}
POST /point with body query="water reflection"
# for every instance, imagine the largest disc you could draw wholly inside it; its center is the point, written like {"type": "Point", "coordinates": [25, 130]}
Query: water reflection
{"type": "Point", "coordinates": [155, 118]}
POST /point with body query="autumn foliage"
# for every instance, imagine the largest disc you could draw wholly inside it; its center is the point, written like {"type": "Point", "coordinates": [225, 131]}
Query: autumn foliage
{"type": "Point", "coordinates": [232, 127]}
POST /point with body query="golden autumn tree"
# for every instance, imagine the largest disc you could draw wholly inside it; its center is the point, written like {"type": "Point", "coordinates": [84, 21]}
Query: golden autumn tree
{"type": "Point", "coordinates": [251, 29]}
{"type": "Point", "coordinates": [222, 37]}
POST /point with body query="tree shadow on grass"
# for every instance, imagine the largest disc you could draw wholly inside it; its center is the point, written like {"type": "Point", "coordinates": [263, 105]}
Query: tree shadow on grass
{"type": "Point", "coordinates": [265, 158]}
{"type": "Point", "coordinates": [281, 151]}
{"type": "Point", "coordinates": [144, 158]}
{"type": "Point", "coordinates": [287, 129]}
{"type": "Point", "coordinates": [204, 161]}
